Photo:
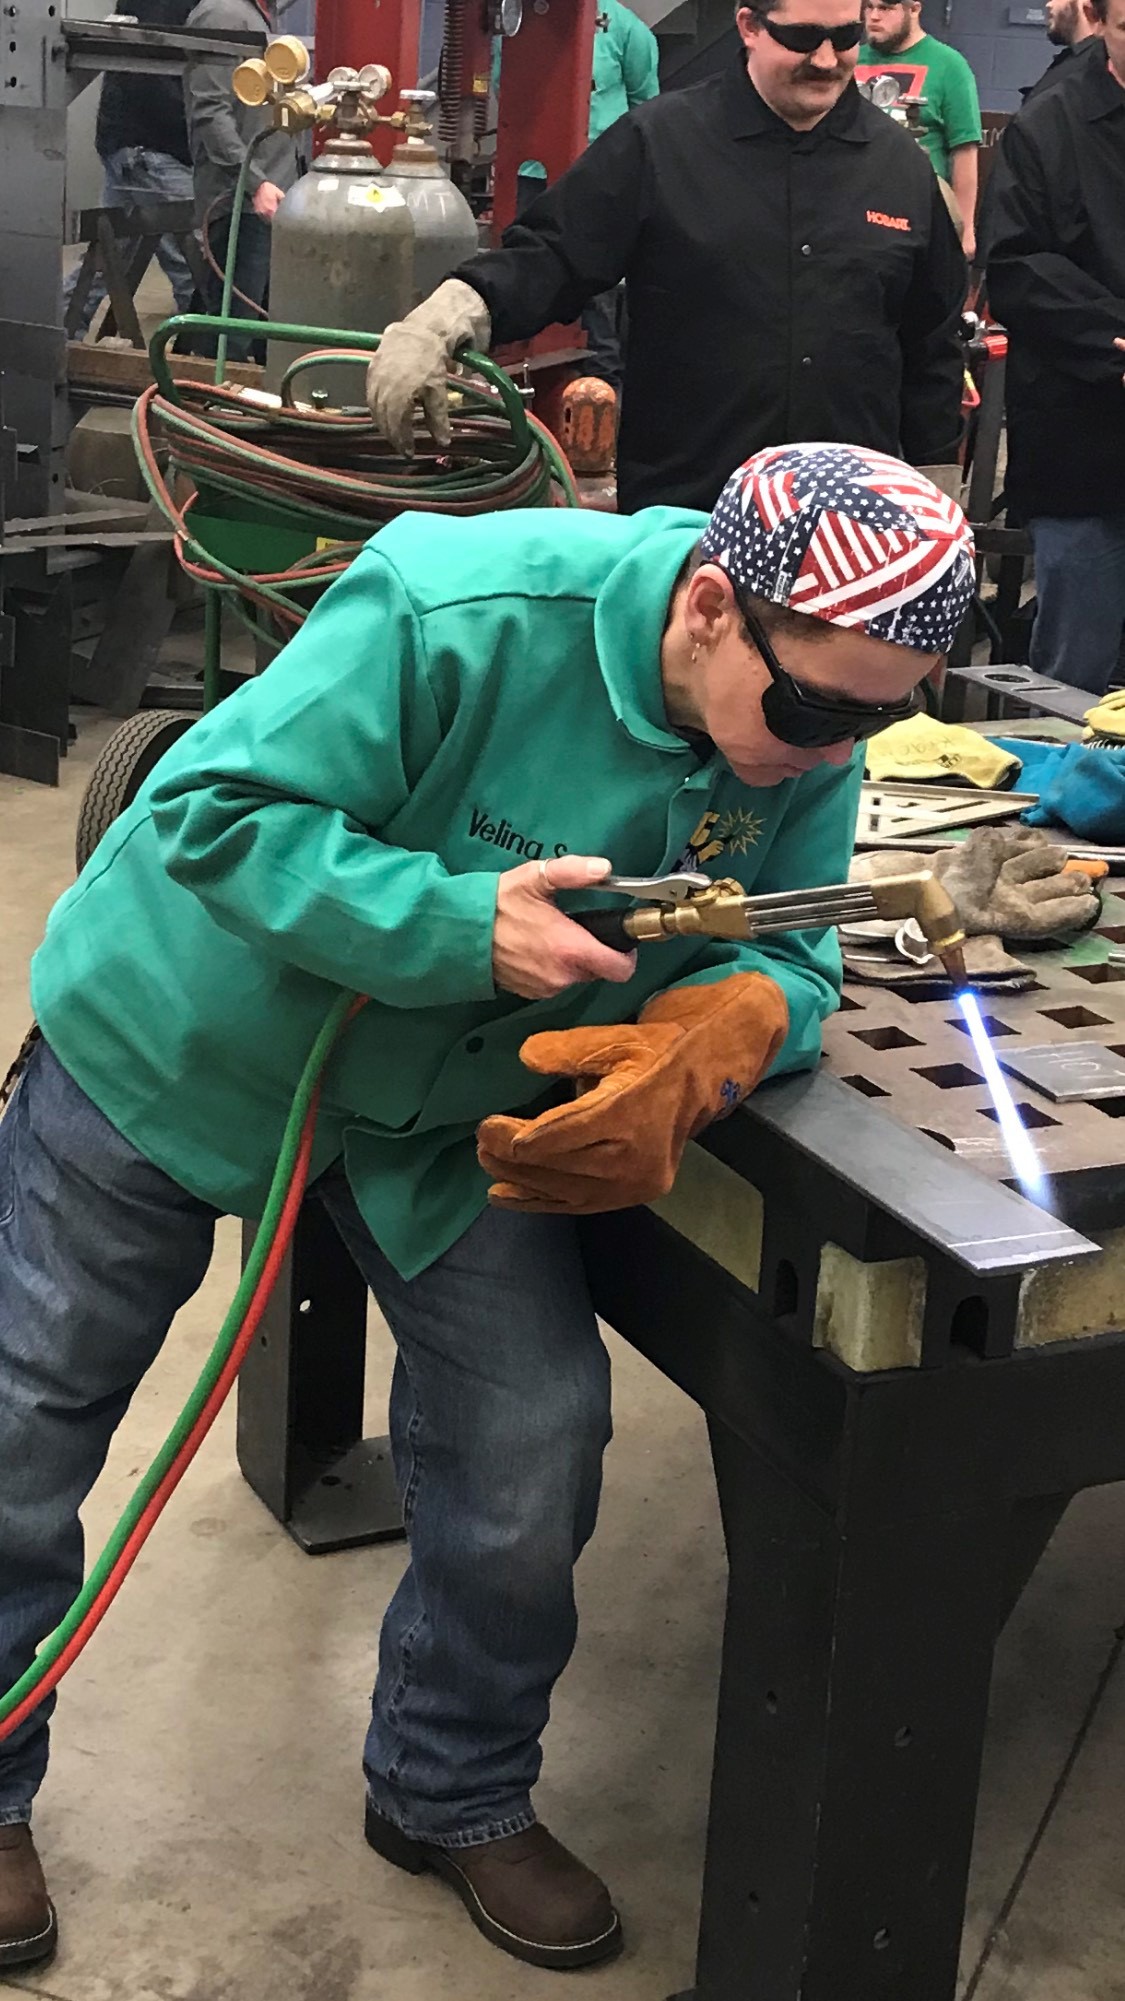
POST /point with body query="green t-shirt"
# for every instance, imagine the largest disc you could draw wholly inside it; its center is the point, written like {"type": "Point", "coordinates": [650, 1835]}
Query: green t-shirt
{"type": "Point", "coordinates": [931, 69]}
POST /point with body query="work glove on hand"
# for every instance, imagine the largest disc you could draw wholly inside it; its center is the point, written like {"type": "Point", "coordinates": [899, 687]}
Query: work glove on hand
{"type": "Point", "coordinates": [1014, 883]}
{"type": "Point", "coordinates": [646, 1088]}
{"type": "Point", "coordinates": [414, 355]}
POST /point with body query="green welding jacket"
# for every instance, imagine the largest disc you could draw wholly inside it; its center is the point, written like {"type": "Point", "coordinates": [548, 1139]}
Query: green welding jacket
{"type": "Point", "coordinates": [470, 695]}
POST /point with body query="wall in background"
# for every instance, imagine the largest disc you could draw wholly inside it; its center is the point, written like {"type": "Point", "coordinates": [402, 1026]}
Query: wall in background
{"type": "Point", "coordinates": [1004, 40]}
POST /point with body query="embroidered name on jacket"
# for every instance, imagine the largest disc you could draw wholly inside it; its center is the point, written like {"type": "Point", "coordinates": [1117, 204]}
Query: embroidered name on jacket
{"type": "Point", "coordinates": [501, 834]}
{"type": "Point", "coordinates": [888, 221]}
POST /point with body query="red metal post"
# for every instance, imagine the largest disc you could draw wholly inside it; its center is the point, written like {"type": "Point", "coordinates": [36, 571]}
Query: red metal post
{"type": "Point", "coordinates": [545, 82]}
{"type": "Point", "coordinates": [371, 31]}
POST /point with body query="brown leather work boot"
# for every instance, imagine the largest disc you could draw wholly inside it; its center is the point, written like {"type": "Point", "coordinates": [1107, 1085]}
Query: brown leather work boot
{"type": "Point", "coordinates": [527, 1893]}
{"type": "Point", "coordinates": [29, 1930]}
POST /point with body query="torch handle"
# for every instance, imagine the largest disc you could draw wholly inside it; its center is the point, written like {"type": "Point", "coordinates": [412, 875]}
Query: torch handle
{"type": "Point", "coordinates": [607, 926]}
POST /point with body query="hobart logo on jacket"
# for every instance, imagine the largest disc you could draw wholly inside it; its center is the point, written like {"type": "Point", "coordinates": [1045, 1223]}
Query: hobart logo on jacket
{"type": "Point", "coordinates": [501, 834]}
{"type": "Point", "coordinates": [883, 221]}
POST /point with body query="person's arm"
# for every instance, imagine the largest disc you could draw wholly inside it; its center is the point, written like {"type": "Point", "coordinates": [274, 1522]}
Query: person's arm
{"type": "Point", "coordinates": [270, 809]}
{"type": "Point", "coordinates": [212, 126]}
{"type": "Point", "coordinates": [1037, 291]}
{"type": "Point", "coordinates": [964, 176]}
{"type": "Point", "coordinates": [812, 846]}
{"type": "Point", "coordinates": [272, 812]}
{"type": "Point", "coordinates": [933, 366]}
{"type": "Point", "coordinates": [640, 62]}
{"type": "Point", "coordinates": [961, 123]}
{"type": "Point", "coordinates": [573, 242]}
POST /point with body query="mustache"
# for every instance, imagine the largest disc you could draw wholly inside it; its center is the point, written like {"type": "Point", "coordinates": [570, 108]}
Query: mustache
{"type": "Point", "coordinates": [808, 73]}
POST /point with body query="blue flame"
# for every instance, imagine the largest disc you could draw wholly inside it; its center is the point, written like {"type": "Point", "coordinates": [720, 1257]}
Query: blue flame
{"type": "Point", "coordinates": [1021, 1152]}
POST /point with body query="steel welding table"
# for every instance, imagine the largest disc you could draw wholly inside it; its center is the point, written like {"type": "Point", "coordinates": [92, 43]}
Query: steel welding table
{"type": "Point", "coordinates": [904, 1388]}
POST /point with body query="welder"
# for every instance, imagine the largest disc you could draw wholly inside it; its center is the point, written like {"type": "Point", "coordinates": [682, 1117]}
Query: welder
{"type": "Point", "coordinates": [791, 272]}
{"type": "Point", "coordinates": [476, 720]}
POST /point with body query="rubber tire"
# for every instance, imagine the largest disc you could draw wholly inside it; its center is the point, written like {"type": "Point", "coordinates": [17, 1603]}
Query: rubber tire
{"type": "Point", "coordinates": [131, 753]}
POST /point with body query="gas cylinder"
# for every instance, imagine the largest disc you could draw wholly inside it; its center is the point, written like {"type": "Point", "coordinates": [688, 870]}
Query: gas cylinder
{"type": "Point", "coordinates": [445, 232]}
{"type": "Point", "coordinates": [342, 255]}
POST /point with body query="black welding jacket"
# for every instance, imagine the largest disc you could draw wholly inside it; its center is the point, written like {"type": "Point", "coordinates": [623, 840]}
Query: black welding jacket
{"type": "Point", "coordinates": [781, 286]}
{"type": "Point", "coordinates": [1061, 68]}
{"type": "Point", "coordinates": [1056, 280]}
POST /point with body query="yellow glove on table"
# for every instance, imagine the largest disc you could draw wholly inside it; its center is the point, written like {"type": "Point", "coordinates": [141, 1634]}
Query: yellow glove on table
{"type": "Point", "coordinates": [921, 747]}
{"type": "Point", "coordinates": [695, 1053]}
{"type": "Point", "coordinates": [1106, 720]}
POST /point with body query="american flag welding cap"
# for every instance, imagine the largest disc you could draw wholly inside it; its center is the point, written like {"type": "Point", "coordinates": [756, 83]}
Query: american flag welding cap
{"type": "Point", "coordinates": [849, 536]}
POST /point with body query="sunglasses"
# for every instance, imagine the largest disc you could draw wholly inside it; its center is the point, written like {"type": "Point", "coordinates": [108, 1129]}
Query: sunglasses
{"type": "Point", "coordinates": [804, 717]}
{"type": "Point", "coordinates": [803, 38]}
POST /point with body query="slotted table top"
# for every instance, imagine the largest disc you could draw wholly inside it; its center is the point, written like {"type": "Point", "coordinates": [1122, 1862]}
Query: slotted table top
{"type": "Point", "coordinates": [915, 1057]}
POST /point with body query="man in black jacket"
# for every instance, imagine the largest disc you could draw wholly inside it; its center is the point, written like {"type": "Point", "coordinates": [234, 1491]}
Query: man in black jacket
{"type": "Point", "coordinates": [1074, 28]}
{"type": "Point", "coordinates": [142, 142]}
{"type": "Point", "coordinates": [791, 271]}
{"type": "Point", "coordinates": [1056, 279]}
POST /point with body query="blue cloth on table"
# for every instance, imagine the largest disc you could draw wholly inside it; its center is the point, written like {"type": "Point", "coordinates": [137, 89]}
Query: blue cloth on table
{"type": "Point", "coordinates": [1080, 786]}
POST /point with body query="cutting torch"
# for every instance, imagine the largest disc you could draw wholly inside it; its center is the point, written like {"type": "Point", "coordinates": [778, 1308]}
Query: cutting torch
{"type": "Point", "coordinates": [692, 905]}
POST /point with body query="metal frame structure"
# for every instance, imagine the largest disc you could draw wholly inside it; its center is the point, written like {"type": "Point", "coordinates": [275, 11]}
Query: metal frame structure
{"type": "Point", "coordinates": [47, 61]}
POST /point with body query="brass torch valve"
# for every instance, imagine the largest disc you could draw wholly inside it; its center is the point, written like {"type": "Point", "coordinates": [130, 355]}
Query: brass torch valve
{"type": "Point", "coordinates": [690, 905]}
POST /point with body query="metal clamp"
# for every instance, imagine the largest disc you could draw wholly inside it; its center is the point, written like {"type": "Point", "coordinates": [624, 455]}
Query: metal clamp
{"type": "Point", "coordinates": [658, 888]}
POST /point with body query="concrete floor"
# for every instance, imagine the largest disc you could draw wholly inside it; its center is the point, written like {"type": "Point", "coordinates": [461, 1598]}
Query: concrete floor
{"type": "Point", "coordinates": [202, 1820]}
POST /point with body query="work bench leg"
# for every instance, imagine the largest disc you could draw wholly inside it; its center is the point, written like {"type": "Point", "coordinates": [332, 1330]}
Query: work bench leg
{"type": "Point", "coordinates": [299, 1434]}
{"type": "Point", "coordinates": [856, 1665]}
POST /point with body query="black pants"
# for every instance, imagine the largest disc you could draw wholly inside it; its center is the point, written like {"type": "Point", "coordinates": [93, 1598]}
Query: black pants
{"type": "Point", "coordinates": [251, 275]}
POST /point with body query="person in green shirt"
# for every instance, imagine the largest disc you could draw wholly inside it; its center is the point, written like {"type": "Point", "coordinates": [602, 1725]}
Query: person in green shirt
{"type": "Point", "coordinates": [626, 73]}
{"type": "Point", "coordinates": [897, 45]}
{"type": "Point", "coordinates": [474, 721]}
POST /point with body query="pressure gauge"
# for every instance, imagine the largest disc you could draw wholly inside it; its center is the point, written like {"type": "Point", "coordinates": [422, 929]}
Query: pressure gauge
{"type": "Point", "coordinates": [884, 91]}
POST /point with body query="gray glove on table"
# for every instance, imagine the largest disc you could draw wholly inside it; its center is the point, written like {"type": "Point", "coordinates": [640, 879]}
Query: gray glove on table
{"type": "Point", "coordinates": [949, 479]}
{"type": "Point", "coordinates": [414, 355]}
{"type": "Point", "coordinates": [1012, 883]}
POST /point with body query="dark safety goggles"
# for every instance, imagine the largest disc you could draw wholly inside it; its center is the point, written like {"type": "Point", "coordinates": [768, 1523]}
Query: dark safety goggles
{"type": "Point", "coordinates": [804, 717]}
{"type": "Point", "coordinates": [803, 38]}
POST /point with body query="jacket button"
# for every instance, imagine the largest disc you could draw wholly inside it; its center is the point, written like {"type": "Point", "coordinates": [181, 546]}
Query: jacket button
{"type": "Point", "coordinates": [806, 249]}
{"type": "Point", "coordinates": [475, 1044]}
{"type": "Point", "coordinates": [806, 361]}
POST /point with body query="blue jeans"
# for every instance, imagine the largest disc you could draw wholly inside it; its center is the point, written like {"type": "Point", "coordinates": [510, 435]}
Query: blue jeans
{"type": "Point", "coordinates": [499, 1417]}
{"type": "Point", "coordinates": [134, 175]}
{"type": "Point", "coordinates": [1080, 585]}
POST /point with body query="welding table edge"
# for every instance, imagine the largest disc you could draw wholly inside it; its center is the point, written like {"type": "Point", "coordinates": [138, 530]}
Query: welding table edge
{"type": "Point", "coordinates": [1029, 690]}
{"type": "Point", "coordinates": [911, 1178]}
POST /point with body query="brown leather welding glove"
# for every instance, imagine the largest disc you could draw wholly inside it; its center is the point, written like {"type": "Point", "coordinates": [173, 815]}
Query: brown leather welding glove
{"type": "Point", "coordinates": [645, 1088]}
{"type": "Point", "coordinates": [1013, 882]}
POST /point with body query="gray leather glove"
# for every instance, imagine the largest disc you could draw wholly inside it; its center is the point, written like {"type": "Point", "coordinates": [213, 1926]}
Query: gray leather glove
{"type": "Point", "coordinates": [949, 479]}
{"type": "Point", "coordinates": [413, 357]}
{"type": "Point", "coordinates": [1012, 883]}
